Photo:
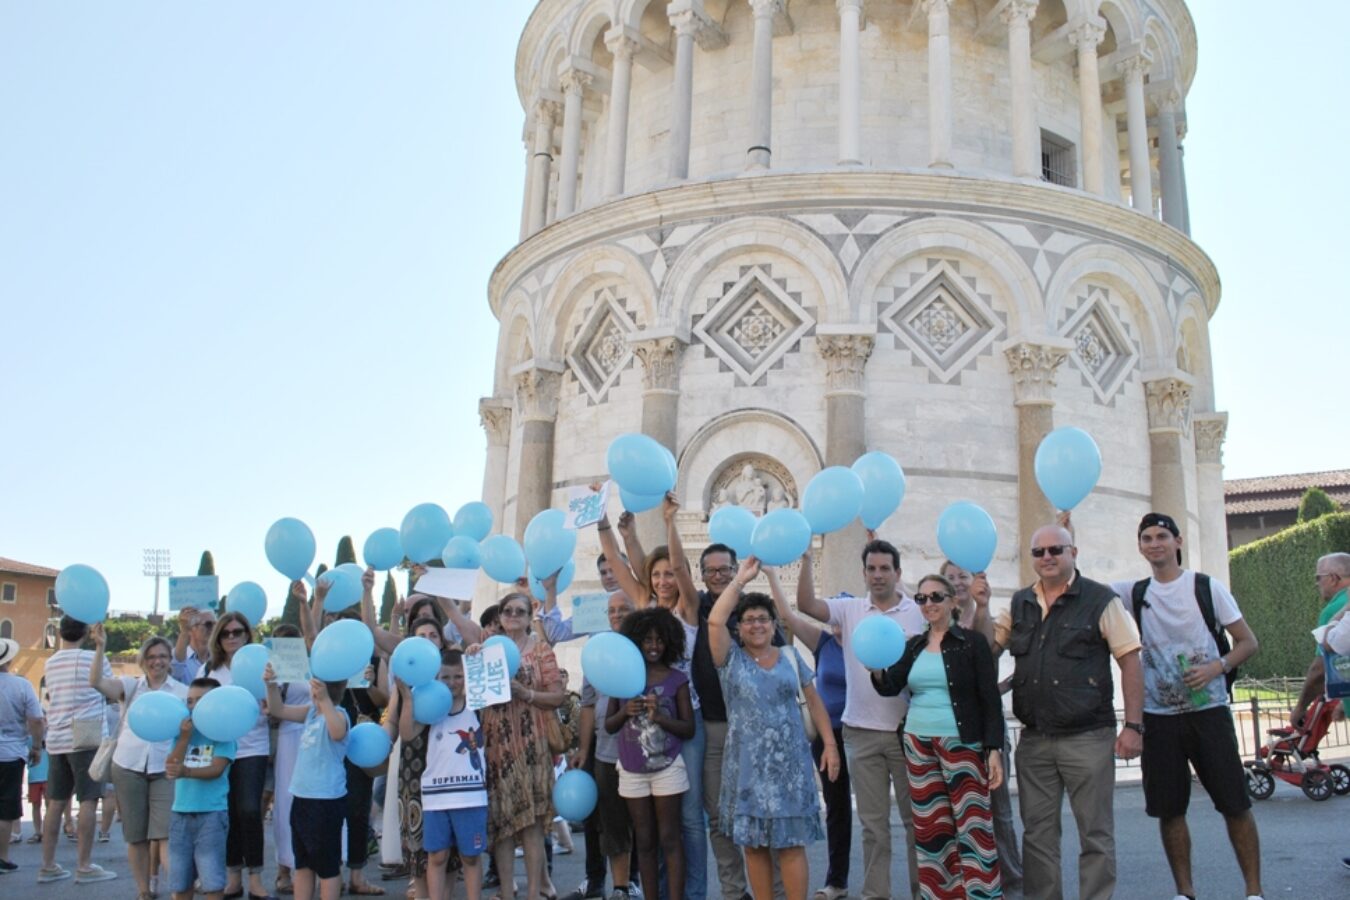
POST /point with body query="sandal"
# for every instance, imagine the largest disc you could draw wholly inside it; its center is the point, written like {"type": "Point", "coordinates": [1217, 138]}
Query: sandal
{"type": "Point", "coordinates": [363, 890]}
{"type": "Point", "coordinates": [283, 888]}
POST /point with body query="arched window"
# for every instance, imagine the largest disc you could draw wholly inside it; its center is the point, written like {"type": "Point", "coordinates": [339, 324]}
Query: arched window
{"type": "Point", "coordinates": [6, 629]}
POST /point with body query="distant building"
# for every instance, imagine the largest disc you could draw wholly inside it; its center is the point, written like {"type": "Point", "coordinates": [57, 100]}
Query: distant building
{"type": "Point", "coordinates": [27, 602]}
{"type": "Point", "coordinates": [1259, 507]}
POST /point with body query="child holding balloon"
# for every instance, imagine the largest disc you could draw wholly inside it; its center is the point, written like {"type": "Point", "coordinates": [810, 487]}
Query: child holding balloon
{"type": "Point", "coordinates": [200, 820]}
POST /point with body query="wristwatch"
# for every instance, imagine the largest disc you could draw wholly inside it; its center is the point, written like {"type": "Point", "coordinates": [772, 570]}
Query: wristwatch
{"type": "Point", "coordinates": [1136, 726]}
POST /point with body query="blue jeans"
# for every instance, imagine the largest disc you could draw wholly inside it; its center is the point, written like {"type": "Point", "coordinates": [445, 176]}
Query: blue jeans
{"type": "Point", "coordinates": [693, 822]}
{"type": "Point", "coordinates": [197, 851]}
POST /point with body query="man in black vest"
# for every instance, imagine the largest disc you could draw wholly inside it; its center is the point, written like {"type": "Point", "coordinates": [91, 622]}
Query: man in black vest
{"type": "Point", "coordinates": [1063, 632]}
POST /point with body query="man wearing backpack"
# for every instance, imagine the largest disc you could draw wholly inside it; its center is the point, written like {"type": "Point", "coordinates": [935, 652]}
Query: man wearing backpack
{"type": "Point", "coordinates": [1187, 661]}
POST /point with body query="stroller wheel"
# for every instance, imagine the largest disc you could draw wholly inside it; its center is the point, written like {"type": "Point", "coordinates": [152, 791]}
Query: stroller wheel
{"type": "Point", "coordinates": [1340, 779]}
{"type": "Point", "coordinates": [1317, 784]}
{"type": "Point", "coordinates": [1260, 783]}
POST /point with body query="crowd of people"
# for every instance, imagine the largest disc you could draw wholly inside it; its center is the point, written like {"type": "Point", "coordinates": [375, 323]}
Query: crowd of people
{"type": "Point", "coordinates": [735, 744]}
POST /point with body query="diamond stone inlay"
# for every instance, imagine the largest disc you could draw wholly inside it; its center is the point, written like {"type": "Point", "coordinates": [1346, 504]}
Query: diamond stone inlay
{"type": "Point", "coordinates": [942, 320]}
{"type": "Point", "coordinates": [753, 325]}
{"type": "Point", "coordinates": [940, 326]}
{"type": "Point", "coordinates": [1101, 350]}
{"type": "Point", "coordinates": [601, 349]}
{"type": "Point", "coordinates": [756, 331]}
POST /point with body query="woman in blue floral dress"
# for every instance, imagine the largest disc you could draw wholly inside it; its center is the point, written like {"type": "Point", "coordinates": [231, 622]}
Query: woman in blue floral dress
{"type": "Point", "coordinates": [769, 800]}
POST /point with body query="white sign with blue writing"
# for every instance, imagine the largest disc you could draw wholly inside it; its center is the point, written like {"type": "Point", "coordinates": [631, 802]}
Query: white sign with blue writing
{"type": "Point", "coordinates": [197, 591]}
{"type": "Point", "coordinates": [585, 507]}
{"type": "Point", "coordinates": [487, 681]}
{"type": "Point", "coordinates": [590, 613]}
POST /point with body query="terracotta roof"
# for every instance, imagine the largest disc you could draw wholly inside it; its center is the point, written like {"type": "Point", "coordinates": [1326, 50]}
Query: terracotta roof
{"type": "Point", "coordinates": [23, 568]}
{"type": "Point", "coordinates": [1282, 493]}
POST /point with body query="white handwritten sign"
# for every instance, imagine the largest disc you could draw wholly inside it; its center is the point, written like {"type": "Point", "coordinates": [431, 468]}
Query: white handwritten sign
{"type": "Point", "coordinates": [290, 660]}
{"type": "Point", "coordinates": [453, 584]}
{"type": "Point", "coordinates": [585, 507]}
{"type": "Point", "coordinates": [197, 591]}
{"type": "Point", "coordinates": [487, 682]}
{"type": "Point", "coordinates": [590, 613]}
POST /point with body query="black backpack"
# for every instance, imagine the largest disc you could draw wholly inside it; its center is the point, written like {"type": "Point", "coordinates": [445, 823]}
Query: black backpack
{"type": "Point", "coordinates": [1204, 598]}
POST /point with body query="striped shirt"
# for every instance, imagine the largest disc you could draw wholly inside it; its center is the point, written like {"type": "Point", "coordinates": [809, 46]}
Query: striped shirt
{"type": "Point", "coordinates": [67, 678]}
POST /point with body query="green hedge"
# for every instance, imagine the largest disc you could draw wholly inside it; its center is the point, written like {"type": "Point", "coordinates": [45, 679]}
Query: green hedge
{"type": "Point", "coordinates": [1273, 582]}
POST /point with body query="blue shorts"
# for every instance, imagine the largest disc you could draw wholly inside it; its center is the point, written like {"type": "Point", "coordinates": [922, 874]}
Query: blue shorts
{"type": "Point", "coordinates": [461, 829]}
{"type": "Point", "coordinates": [197, 850]}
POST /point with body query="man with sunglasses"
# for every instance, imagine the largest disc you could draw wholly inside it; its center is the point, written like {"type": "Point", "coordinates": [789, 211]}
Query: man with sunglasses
{"type": "Point", "coordinates": [1063, 632]}
{"type": "Point", "coordinates": [1333, 580]}
{"type": "Point", "coordinates": [192, 649]}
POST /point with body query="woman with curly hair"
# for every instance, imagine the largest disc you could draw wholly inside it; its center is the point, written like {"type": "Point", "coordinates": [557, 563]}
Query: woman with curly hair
{"type": "Point", "coordinates": [651, 728]}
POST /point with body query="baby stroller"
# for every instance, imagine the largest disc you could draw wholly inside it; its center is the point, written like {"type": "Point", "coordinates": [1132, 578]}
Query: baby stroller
{"type": "Point", "coordinates": [1291, 756]}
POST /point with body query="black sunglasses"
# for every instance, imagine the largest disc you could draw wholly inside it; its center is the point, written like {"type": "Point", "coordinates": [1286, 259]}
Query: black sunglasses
{"type": "Point", "coordinates": [935, 597]}
{"type": "Point", "coordinates": [233, 632]}
{"type": "Point", "coordinates": [1053, 550]}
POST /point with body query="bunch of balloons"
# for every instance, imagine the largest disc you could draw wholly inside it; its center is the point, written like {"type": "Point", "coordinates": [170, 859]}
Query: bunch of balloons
{"type": "Point", "coordinates": [642, 468]}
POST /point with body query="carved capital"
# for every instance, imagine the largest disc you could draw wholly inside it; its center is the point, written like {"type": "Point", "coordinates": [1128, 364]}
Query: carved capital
{"type": "Point", "coordinates": [764, 8]}
{"type": "Point", "coordinates": [575, 81]}
{"type": "Point", "coordinates": [845, 358]}
{"type": "Point", "coordinates": [545, 112]}
{"type": "Point", "coordinates": [1085, 36]}
{"type": "Point", "coordinates": [1210, 431]}
{"type": "Point", "coordinates": [1034, 368]}
{"type": "Point", "coordinates": [939, 7]}
{"type": "Point", "coordinates": [1018, 13]}
{"type": "Point", "coordinates": [696, 23]}
{"type": "Point", "coordinates": [660, 357]}
{"type": "Point", "coordinates": [1168, 100]}
{"type": "Point", "coordinates": [859, 5]}
{"type": "Point", "coordinates": [537, 394]}
{"type": "Point", "coordinates": [494, 414]}
{"type": "Point", "coordinates": [1134, 68]}
{"type": "Point", "coordinates": [621, 45]}
{"type": "Point", "coordinates": [1169, 405]}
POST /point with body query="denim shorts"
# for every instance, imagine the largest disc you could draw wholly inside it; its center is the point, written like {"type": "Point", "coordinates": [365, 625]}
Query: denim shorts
{"type": "Point", "coordinates": [462, 829]}
{"type": "Point", "coordinates": [197, 850]}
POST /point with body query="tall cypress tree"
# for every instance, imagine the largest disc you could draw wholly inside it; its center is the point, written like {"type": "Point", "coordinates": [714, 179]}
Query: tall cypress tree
{"type": "Point", "coordinates": [208, 564]}
{"type": "Point", "coordinates": [389, 599]}
{"type": "Point", "coordinates": [346, 553]}
{"type": "Point", "coordinates": [290, 615]}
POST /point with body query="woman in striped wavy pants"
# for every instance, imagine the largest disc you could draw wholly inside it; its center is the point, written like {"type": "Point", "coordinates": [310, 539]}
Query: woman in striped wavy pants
{"type": "Point", "coordinates": [953, 737]}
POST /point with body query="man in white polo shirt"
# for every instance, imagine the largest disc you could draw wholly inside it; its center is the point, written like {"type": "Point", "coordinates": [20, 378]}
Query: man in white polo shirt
{"type": "Point", "coordinates": [876, 760]}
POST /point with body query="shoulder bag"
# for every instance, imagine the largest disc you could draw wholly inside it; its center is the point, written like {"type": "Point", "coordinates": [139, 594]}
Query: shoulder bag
{"type": "Point", "coordinates": [807, 722]}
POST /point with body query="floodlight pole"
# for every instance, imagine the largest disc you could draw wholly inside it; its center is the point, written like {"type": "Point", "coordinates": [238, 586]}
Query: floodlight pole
{"type": "Point", "coordinates": [156, 565]}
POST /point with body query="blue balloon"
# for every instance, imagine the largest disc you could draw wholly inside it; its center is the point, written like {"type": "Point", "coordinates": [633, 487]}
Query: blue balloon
{"type": "Point", "coordinates": [249, 600]}
{"type": "Point", "coordinates": [548, 545]}
{"type": "Point", "coordinates": [344, 589]}
{"type": "Point", "coordinates": [832, 499]}
{"type": "Point", "coordinates": [636, 503]}
{"type": "Point", "coordinates": [640, 465]}
{"type": "Point", "coordinates": [341, 650]}
{"type": "Point", "coordinates": [574, 795]}
{"type": "Point", "coordinates": [226, 713]}
{"type": "Point", "coordinates": [883, 487]}
{"type": "Point", "coordinates": [512, 652]}
{"type": "Point", "coordinates": [565, 577]}
{"type": "Point", "coordinates": [614, 666]}
{"type": "Point", "coordinates": [781, 537]}
{"type": "Point", "coordinates": [246, 668]}
{"type": "Point", "coordinates": [1068, 464]}
{"type": "Point", "coordinates": [733, 526]}
{"type": "Point", "coordinates": [383, 549]}
{"type": "Point", "coordinates": [967, 535]}
{"type": "Point", "coordinates": [473, 520]}
{"type": "Point", "coordinates": [156, 716]}
{"type": "Point", "coordinates": [461, 552]}
{"type": "Point", "coordinates": [82, 593]}
{"type": "Point", "coordinates": [431, 702]}
{"type": "Point", "coordinates": [290, 547]}
{"type": "Point", "coordinates": [368, 745]}
{"type": "Point", "coordinates": [878, 642]}
{"type": "Point", "coordinates": [502, 558]}
{"type": "Point", "coordinates": [426, 530]}
{"type": "Point", "coordinates": [415, 661]}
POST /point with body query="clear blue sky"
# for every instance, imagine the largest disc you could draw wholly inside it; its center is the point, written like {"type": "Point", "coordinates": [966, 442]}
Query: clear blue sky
{"type": "Point", "coordinates": [244, 251]}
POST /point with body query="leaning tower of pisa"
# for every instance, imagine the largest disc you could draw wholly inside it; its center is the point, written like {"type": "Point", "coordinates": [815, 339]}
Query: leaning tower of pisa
{"type": "Point", "coordinates": [775, 234]}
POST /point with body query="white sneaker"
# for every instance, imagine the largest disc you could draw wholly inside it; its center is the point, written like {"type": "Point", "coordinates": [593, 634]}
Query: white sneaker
{"type": "Point", "coordinates": [54, 873]}
{"type": "Point", "coordinates": [93, 874]}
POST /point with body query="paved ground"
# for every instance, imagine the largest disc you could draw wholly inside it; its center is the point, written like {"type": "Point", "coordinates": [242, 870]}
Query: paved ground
{"type": "Point", "coordinates": [1303, 843]}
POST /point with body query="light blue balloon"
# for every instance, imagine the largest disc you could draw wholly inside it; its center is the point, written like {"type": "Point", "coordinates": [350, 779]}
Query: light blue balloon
{"type": "Point", "coordinates": [565, 577]}
{"type": "Point", "coordinates": [226, 713]}
{"type": "Point", "coordinates": [574, 795]}
{"type": "Point", "coordinates": [415, 661]}
{"type": "Point", "coordinates": [883, 487]}
{"type": "Point", "coordinates": [781, 537]}
{"type": "Point", "coordinates": [636, 503]}
{"type": "Point", "coordinates": [461, 552]}
{"type": "Point", "coordinates": [246, 668]}
{"type": "Point", "coordinates": [425, 531]}
{"type": "Point", "coordinates": [502, 558]}
{"type": "Point", "coordinates": [249, 600]}
{"type": "Point", "coordinates": [473, 520]}
{"type": "Point", "coordinates": [431, 702]}
{"type": "Point", "coordinates": [878, 641]}
{"type": "Point", "coordinates": [548, 545]}
{"type": "Point", "coordinates": [512, 652]}
{"type": "Point", "coordinates": [613, 665]}
{"type": "Point", "coordinates": [832, 499]}
{"type": "Point", "coordinates": [368, 745]}
{"type": "Point", "coordinates": [733, 526]}
{"type": "Point", "coordinates": [383, 549]}
{"type": "Point", "coordinates": [356, 569]}
{"type": "Point", "coordinates": [1068, 464]}
{"type": "Point", "coordinates": [640, 465]}
{"type": "Point", "coordinates": [967, 535]}
{"type": "Point", "coordinates": [290, 547]}
{"type": "Point", "coordinates": [82, 593]}
{"type": "Point", "coordinates": [344, 589]}
{"type": "Point", "coordinates": [341, 650]}
{"type": "Point", "coordinates": [156, 716]}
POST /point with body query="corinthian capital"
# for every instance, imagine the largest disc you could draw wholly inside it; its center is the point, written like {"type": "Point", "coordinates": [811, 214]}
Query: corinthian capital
{"type": "Point", "coordinates": [1134, 68]}
{"type": "Point", "coordinates": [1169, 404]}
{"type": "Point", "coordinates": [537, 392]}
{"type": "Point", "coordinates": [494, 413]}
{"type": "Point", "coordinates": [1210, 430]}
{"type": "Point", "coordinates": [660, 358]}
{"type": "Point", "coordinates": [1033, 368]}
{"type": "Point", "coordinates": [845, 358]}
{"type": "Point", "coordinates": [621, 44]}
{"type": "Point", "coordinates": [574, 81]}
{"type": "Point", "coordinates": [1018, 12]}
{"type": "Point", "coordinates": [1088, 34]}
{"type": "Point", "coordinates": [690, 20]}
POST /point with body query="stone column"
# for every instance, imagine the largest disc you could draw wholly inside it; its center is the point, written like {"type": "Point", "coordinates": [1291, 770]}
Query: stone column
{"type": "Point", "coordinates": [544, 113]}
{"type": "Point", "coordinates": [1181, 170]}
{"type": "Point", "coordinates": [660, 358]}
{"type": "Point", "coordinates": [1026, 138]}
{"type": "Point", "coordinates": [845, 355]}
{"type": "Point", "coordinates": [528, 192]}
{"type": "Point", "coordinates": [939, 83]}
{"type": "Point", "coordinates": [1210, 429]}
{"type": "Point", "coordinates": [616, 148]}
{"type": "Point", "coordinates": [686, 26]}
{"type": "Point", "coordinates": [1033, 368]}
{"type": "Point", "coordinates": [850, 82]}
{"type": "Point", "coordinates": [574, 84]}
{"type": "Point", "coordinates": [537, 409]}
{"type": "Point", "coordinates": [1169, 428]}
{"type": "Point", "coordinates": [494, 413]}
{"type": "Point", "coordinates": [1136, 122]}
{"type": "Point", "coordinates": [1085, 37]}
{"type": "Point", "coordinates": [761, 89]}
{"type": "Point", "coordinates": [1169, 159]}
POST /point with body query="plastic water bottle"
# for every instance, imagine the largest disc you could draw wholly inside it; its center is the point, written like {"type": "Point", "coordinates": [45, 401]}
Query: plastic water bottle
{"type": "Point", "coordinates": [1199, 696]}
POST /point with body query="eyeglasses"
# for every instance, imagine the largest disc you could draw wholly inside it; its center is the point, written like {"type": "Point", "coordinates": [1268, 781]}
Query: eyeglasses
{"type": "Point", "coordinates": [1053, 550]}
{"type": "Point", "coordinates": [720, 570]}
{"type": "Point", "coordinates": [756, 620]}
{"type": "Point", "coordinates": [1321, 575]}
{"type": "Point", "coordinates": [233, 632]}
{"type": "Point", "coordinates": [210, 624]}
{"type": "Point", "coordinates": [515, 612]}
{"type": "Point", "coordinates": [935, 597]}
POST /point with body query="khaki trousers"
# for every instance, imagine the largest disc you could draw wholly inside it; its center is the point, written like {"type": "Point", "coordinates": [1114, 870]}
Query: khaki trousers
{"type": "Point", "coordinates": [876, 766]}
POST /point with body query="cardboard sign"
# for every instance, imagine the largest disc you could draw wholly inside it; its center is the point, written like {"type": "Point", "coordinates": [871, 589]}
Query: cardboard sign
{"type": "Point", "coordinates": [197, 591]}
{"type": "Point", "coordinates": [590, 613]}
{"type": "Point", "coordinates": [453, 584]}
{"type": "Point", "coordinates": [585, 507]}
{"type": "Point", "coordinates": [290, 660]}
{"type": "Point", "coordinates": [487, 681]}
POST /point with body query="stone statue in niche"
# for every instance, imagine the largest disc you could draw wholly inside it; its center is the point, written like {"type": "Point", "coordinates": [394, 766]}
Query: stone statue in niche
{"type": "Point", "coordinates": [749, 490]}
{"type": "Point", "coordinates": [760, 486]}
{"type": "Point", "coordinates": [777, 498]}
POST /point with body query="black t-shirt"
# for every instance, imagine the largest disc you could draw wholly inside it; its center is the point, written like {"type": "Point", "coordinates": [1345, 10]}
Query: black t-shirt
{"type": "Point", "coordinates": [702, 668]}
